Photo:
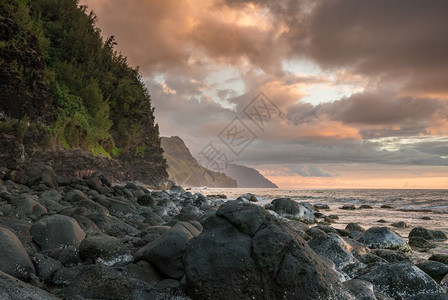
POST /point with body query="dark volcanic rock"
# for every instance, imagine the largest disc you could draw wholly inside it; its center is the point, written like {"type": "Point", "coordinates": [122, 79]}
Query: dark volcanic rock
{"type": "Point", "coordinates": [400, 280]}
{"type": "Point", "coordinates": [427, 234]}
{"type": "Point", "coordinates": [101, 246]}
{"type": "Point", "coordinates": [13, 259]}
{"type": "Point", "coordinates": [112, 225]}
{"type": "Point", "coordinates": [360, 289]}
{"type": "Point", "coordinates": [291, 209]}
{"type": "Point", "coordinates": [419, 242]}
{"type": "Point", "coordinates": [435, 269]}
{"type": "Point", "coordinates": [46, 266]}
{"type": "Point", "coordinates": [57, 231]}
{"type": "Point", "coordinates": [334, 248]}
{"type": "Point", "coordinates": [224, 262]}
{"type": "Point", "coordinates": [443, 258]}
{"type": "Point", "coordinates": [383, 238]}
{"type": "Point", "coordinates": [166, 252]}
{"type": "Point", "coordinates": [13, 289]}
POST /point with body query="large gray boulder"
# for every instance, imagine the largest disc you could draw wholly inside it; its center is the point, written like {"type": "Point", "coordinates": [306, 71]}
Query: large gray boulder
{"type": "Point", "coordinates": [235, 259]}
{"type": "Point", "coordinates": [166, 252]}
{"type": "Point", "coordinates": [383, 238]}
{"type": "Point", "coordinates": [13, 259]}
{"type": "Point", "coordinates": [57, 231]}
{"type": "Point", "coordinates": [400, 280]}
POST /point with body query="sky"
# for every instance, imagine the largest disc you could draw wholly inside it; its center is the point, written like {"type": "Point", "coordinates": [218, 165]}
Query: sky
{"type": "Point", "coordinates": [313, 94]}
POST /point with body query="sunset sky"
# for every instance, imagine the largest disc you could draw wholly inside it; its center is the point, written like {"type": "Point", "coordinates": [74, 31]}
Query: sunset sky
{"type": "Point", "coordinates": [355, 92]}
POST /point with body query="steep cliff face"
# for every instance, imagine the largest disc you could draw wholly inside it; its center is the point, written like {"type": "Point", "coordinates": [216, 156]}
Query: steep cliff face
{"type": "Point", "coordinates": [23, 91]}
{"type": "Point", "coordinates": [185, 170]}
{"type": "Point", "coordinates": [66, 91]}
{"type": "Point", "coordinates": [248, 177]}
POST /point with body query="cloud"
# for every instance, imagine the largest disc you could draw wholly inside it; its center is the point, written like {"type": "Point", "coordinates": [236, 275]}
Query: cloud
{"type": "Point", "coordinates": [381, 67]}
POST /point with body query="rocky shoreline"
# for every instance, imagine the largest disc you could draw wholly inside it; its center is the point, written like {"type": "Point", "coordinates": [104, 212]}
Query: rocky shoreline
{"type": "Point", "coordinates": [71, 238]}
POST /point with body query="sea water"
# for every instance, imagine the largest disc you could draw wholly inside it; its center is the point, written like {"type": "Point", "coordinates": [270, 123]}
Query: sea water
{"type": "Point", "coordinates": [408, 205]}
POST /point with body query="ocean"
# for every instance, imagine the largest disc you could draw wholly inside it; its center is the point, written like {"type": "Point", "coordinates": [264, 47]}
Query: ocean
{"type": "Point", "coordinates": [408, 205]}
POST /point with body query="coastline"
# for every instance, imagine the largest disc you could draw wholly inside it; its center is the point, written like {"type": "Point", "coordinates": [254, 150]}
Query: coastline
{"type": "Point", "coordinates": [71, 237]}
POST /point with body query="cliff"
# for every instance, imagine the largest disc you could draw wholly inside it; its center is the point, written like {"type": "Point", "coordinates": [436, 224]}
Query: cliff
{"type": "Point", "coordinates": [248, 177]}
{"type": "Point", "coordinates": [185, 170]}
{"type": "Point", "coordinates": [66, 91]}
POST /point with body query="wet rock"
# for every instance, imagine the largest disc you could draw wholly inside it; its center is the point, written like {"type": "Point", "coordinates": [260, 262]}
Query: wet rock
{"type": "Point", "coordinates": [112, 225]}
{"type": "Point", "coordinates": [250, 197]}
{"type": "Point", "coordinates": [427, 234]}
{"type": "Point", "coordinates": [435, 269]}
{"type": "Point", "coordinates": [141, 270]}
{"type": "Point", "coordinates": [400, 280]}
{"type": "Point", "coordinates": [443, 258]}
{"type": "Point", "coordinates": [429, 297]}
{"type": "Point", "coordinates": [176, 189]}
{"type": "Point", "coordinates": [245, 216]}
{"type": "Point", "coordinates": [74, 195]}
{"type": "Point", "coordinates": [57, 231]}
{"type": "Point", "coordinates": [381, 221]}
{"type": "Point", "coordinates": [227, 263]}
{"type": "Point", "coordinates": [348, 207]}
{"type": "Point", "coordinates": [383, 238]}
{"type": "Point", "coordinates": [146, 200]}
{"type": "Point", "coordinates": [419, 242]}
{"type": "Point", "coordinates": [46, 266]}
{"type": "Point", "coordinates": [27, 205]}
{"type": "Point", "coordinates": [321, 206]}
{"type": "Point", "coordinates": [365, 206]}
{"type": "Point", "coordinates": [13, 259]}
{"type": "Point", "coordinates": [166, 252]}
{"type": "Point", "coordinates": [99, 282]}
{"type": "Point", "coordinates": [291, 209]}
{"type": "Point", "coordinates": [390, 255]}
{"type": "Point", "coordinates": [399, 224]}
{"type": "Point", "coordinates": [386, 206]}
{"type": "Point", "coordinates": [101, 246]}
{"type": "Point", "coordinates": [360, 289]}
{"type": "Point", "coordinates": [11, 288]}
{"type": "Point", "coordinates": [354, 227]}
{"type": "Point", "coordinates": [333, 247]}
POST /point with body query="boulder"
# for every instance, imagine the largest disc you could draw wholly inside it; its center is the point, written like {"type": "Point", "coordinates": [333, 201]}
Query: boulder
{"type": "Point", "coordinates": [231, 262]}
{"type": "Point", "coordinates": [400, 280]}
{"type": "Point", "coordinates": [57, 231]}
{"type": "Point", "coordinates": [166, 252]}
{"type": "Point", "coordinates": [245, 216]}
{"type": "Point", "coordinates": [390, 255]}
{"type": "Point", "coordinates": [291, 209]}
{"type": "Point", "coordinates": [46, 266]}
{"type": "Point", "coordinates": [354, 227]}
{"type": "Point", "coordinates": [348, 207]}
{"type": "Point", "coordinates": [383, 238]}
{"type": "Point", "coordinates": [13, 259]}
{"type": "Point", "coordinates": [435, 269]}
{"type": "Point", "coordinates": [360, 289]}
{"type": "Point", "coordinates": [427, 234]}
{"type": "Point", "coordinates": [419, 242]}
{"type": "Point", "coordinates": [112, 225]}
{"type": "Point", "coordinates": [27, 205]}
{"type": "Point", "coordinates": [440, 257]}
{"type": "Point", "coordinates": [100, 282]}
{"type": "Point", "coordinates": [331, 246]}
{"type": "Point", "coordinates": [101, 246]}
{"type": "Point", "coordinates": [13, 289]}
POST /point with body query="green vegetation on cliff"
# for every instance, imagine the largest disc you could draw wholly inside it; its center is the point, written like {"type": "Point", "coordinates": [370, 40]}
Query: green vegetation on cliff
{"type": "Point", "coordinates": [57, 71]}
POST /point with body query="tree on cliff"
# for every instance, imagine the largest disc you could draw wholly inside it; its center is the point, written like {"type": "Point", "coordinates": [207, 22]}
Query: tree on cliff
{"type": "Point", "coordinates": [58, 71]}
